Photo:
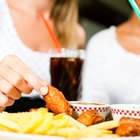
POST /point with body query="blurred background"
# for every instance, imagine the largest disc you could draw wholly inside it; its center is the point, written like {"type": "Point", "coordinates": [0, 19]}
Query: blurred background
{"type": "Point", "coordinates": [96, 15]}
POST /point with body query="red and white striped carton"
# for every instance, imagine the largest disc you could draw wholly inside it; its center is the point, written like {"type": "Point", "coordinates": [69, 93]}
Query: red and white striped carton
{"type": "Point", "coordinates": [80, 106]}
{"type": "Point", "coordinates": [125, 110]}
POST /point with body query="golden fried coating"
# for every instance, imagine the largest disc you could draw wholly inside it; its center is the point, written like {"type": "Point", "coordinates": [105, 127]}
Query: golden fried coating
{"type": "Point", "coordinates": [129, 127]}
{"type": "Point", "coordinates": [98, 119]}
{"type": "Point", "coordinates": [56, 101]}
{"type": "Point", "coordinates": [90, 117]}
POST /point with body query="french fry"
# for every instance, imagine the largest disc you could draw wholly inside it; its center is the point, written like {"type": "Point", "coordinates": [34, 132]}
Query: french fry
{"type": "Point", "coordinates": [75, 122]}
{"type": "Point", "coordinates": [59, 121]}
{"type": "Point", "coordinates": [110, 135]}
{"type": "Point", "coordinates": [59, 116]}
{"type": "Point", "coordinates": [8, 125]}
{"type": "Point", "coordinates": [31, 122]}
{"type": "Point", "coordinates": [40, 121]}
{"type": "Point", "coordinates": [68, 132]}
{"type": "Point", "coordinates": [45, 125]}
{"type": "Point", "coordinates": [4, 128]}
{"type": "Point", "coordinates": [105, 125]}
{"type": "Point", "coordinates": [74, 132]}
{"type": "Point", "coordinates": [9, 116]}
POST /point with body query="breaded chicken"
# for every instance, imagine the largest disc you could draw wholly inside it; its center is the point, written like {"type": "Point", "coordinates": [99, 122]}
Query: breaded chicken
{"type": "Point", "coordinates": [56, 101]}
{"type": "Point", "coordinates": [90, 117]}
{"type": "Point", "coordinates": [129, 127]}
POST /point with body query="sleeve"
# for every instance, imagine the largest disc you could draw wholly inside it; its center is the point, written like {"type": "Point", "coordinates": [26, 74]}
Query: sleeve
{"type": "Point", "coordinates": [94, 88]}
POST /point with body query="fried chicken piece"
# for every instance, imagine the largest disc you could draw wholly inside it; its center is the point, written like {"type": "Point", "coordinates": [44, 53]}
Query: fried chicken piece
{"type": "Point", "coordinates": [98, 119]}
{"type": "Point", "coordinates": [90, 117]}
{"type": "Point", "coordinates": [129, 127]}
{"type": "Point", "coordinates": [56, 102]}
{"type": "Point", "coordinates": [87, 117]}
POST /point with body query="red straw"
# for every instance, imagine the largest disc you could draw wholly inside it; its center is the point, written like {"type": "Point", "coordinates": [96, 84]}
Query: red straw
{"type": "Point", "coordinates": [52, 35]}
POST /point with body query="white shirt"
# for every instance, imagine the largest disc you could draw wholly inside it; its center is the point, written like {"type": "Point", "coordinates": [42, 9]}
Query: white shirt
{"type": "Point", "coordinates": [11, 44]}
{"type": "Point", "coordinates": [111, 74]}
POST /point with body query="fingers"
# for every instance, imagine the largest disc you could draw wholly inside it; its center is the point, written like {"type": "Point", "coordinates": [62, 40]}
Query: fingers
{"type": "Point", "coordinates": [14, 79]}
{"type": "Point", "coordinates": [9, 90]}
{"type": "Point", "coordinates": [19, 67]}
{"type": "Point", "coordinates": [5, 100]}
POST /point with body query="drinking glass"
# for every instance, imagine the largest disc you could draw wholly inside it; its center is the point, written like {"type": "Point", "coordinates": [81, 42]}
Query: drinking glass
{"type": "Point", "coordinates": [65, 69]}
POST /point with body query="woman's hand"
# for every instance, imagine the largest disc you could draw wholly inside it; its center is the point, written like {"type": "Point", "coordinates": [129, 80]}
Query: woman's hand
{"type": "Point", "coordinates": [15, 78]}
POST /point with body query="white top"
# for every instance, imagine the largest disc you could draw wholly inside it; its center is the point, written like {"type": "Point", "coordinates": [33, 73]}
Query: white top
{"type": "Point", "coordinates": [11, 44]}
{"type": "Point", "coordinates": [111, 74]}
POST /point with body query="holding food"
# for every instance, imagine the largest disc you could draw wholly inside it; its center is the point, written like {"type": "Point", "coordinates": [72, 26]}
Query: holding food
{"type": "Point", "coordinates": [56, 101]}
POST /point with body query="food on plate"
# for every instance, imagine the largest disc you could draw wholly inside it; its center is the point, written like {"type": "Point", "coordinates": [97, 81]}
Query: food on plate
{"type": "Point", "coordinates": [129, 127]}
{"type": "Point", "coordinates": [56, 101]}
{"type": "Point", "coordinates": [90, 117]}
{"type": "Point", "coordinates": [81, 106]}
{"type": "Point", "coordinates": [60, 122]}
{"type": "Point", "coordinates": [108, 125]}
{"type": "Point", "coordinates": [41, 122]}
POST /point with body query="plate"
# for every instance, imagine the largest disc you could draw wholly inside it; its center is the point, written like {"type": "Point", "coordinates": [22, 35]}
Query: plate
{"type": "Point", "coordinates": [17, 136]}
{"type": "Point", "coordinates": [120, 138]}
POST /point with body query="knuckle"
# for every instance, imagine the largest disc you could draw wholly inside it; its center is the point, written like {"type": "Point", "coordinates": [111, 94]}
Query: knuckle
{"type": "Point", "coordinates": [11, 102]}
{"type": "Point", "coordinates": [9, 89]}
{"type": "Point", "coordinates": [28, 90]}
{"type": "Point", "coordinates": [4, 102]}
{"type": "Point", "coordinates": [17, 96]}
{"type": "Point", "coordinates": [18, 80]}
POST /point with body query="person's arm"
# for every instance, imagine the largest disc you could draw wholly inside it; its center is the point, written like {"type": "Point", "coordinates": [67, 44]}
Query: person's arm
{"type": "Point", "coordinates": [16, 78]}
{"type": "Point", "coordinates": [93, 74]}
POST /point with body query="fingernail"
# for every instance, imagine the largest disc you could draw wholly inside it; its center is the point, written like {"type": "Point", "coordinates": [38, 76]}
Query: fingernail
{"type": "Point", "coordinates": [44, 90]}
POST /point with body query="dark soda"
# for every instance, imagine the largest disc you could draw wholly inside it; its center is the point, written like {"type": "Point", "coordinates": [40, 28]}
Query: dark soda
{"type": "Point", "coordinates": [66, 76]}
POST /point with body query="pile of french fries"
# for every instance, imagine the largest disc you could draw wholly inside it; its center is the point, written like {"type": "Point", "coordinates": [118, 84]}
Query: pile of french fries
{"type": "Point", "coordinates": [42, 122]}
